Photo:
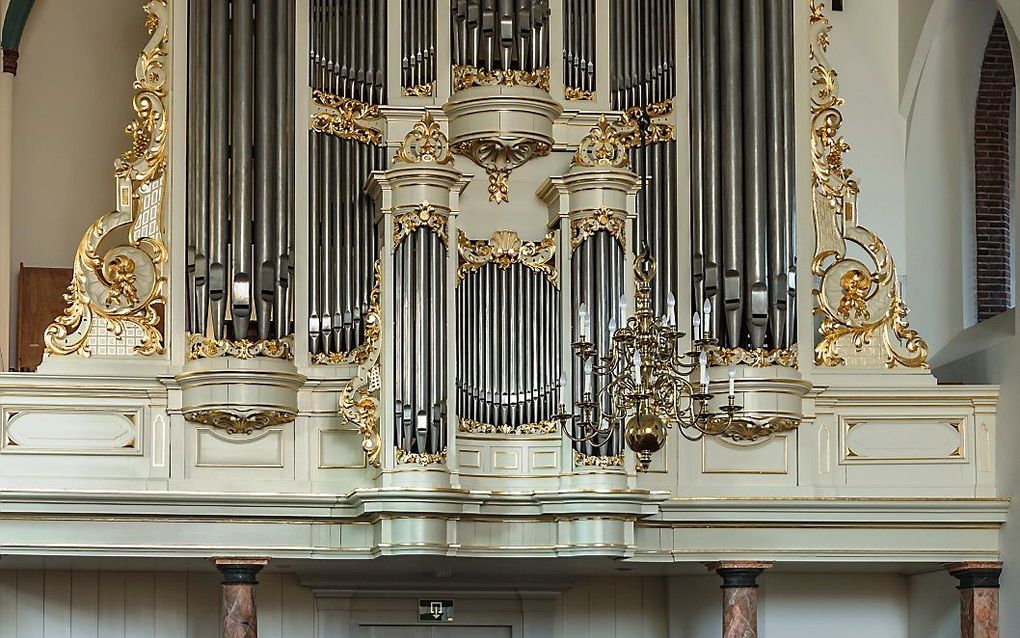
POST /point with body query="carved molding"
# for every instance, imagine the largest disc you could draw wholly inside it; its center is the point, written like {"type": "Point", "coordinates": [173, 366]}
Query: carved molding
{"type": "Point", "coordinates": [602, 147]}
{"type": "Point", "coordinates": [752, 429]}
{"type": "Point", "coordinates": [754, 358]}
{"type": "Point", "coordinates": [603, 218]}
{"type": "Point", "coordinates": [505, 249]}
{"type": "Point", "coordinates": [403, 457]}
{"type": "Point", "coordinates": [858, 301]}
{"type": "Point", "coordinates": [344, 118]}
{"type": "Point", "coordinates": [659, 127]}
{"type": "Point", "coordinates": [499, 158]}
{"type": "Point", "coordinates": [467, 426]}
{"type": "Point", "coordinates": [202, 347]}
{"type": "Point", "coordinates": [424, 215]}
{"type": "Point", "coordinates": [465, 77]}
{"type": "Point", "coordinates": [237, 422]}
{"type": "Point", "coordinates": [600, 461]}
{"type": "Point", "coordinates": [425, 142]}
{"type": "Point", "coordinates": [573, 93]}
{"type": "Point", "coordinates": [123, 287]}
{"type": "Point", "coordinates": [420, 90]}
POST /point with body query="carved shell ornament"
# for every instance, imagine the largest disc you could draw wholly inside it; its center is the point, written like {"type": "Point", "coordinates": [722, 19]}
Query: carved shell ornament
{"type": "Point", "coordinates": [505, 249]}
{"type": "Point", "coordinates": [859, 301]}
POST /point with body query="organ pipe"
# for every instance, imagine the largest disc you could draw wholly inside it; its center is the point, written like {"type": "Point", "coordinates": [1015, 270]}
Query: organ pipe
{"type": "Point", "coordinates": [349, 68]}
{"type": "Point", "coordinates": [418, 47]}
{"type": "Point", "coordinates": [507, 35]}
{"type": "Point", "coordinates": [579, 48]}
{"type": "Point", "coordinates": [240, 175]}
{"type": "Point", "coordinates": [643, 52]}
{"type": "Point", "coordinates": [741, 156]}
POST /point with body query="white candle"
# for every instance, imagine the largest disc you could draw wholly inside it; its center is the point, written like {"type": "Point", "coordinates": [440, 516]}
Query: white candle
{"type": "Point", "coordinates": [637, 367]}
{"type": "Point", "coordinates": [612, 327]}
{"type": "Point", "coordinates": [670, 309]}
{"type": "Point", "coordinates": [703, 364]}
{"type": "Point", "coordinates": [696, 323]}
{"type": "Point", "coordinates": [707, 313]}
{"type": "Point", "coordinates": [732, 371]}
{"type": "Point", "coordinates": [623, 306]}
{"type": "Point", "coordinates": [583, 322]}
{"type": "Point", "coordinates": [587, 376]}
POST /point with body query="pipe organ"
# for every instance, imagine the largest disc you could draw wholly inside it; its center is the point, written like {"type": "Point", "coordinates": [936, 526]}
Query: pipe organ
{"type": "Point", "coordinates": [444, 303]}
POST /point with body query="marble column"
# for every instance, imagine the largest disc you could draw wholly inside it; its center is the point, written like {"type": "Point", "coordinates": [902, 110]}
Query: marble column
{"type": "Point", "coordinates": [740, 596]}
{"type": "Point", "coordinates": [979, 598]}
{"type": "Point", "coordinates": [238, 608]}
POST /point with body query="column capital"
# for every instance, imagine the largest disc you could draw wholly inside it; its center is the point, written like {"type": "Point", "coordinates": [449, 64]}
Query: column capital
{"type": "Point", "coordinates": [240, 571]}
{"type": "Point", "coordinates": [976, 575]}
{"type": "Point", "coordinates": [739, 574]}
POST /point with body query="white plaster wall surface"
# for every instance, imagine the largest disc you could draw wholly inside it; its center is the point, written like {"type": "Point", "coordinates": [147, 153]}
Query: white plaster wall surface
{"type": "Point", "coordinates": [72, 100]}
{"type": "Point", "coordinates": [799, 606]}
{"type": "Point", "coordinates": [940, 139]}
{"type": "Point", "coordinates": [865, 53]}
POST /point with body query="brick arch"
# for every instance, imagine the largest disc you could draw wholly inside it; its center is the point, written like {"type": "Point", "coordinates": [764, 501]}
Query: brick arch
{"type": "Point", "coordinates": [992, 174]}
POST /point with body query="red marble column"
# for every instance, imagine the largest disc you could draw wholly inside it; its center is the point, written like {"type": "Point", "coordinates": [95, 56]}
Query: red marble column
{"type": "Point", "coordinates": [979, 598]}
{"type": "Point", "coordinates": [740, 596]}
{"type": "Point", "coordinates": [239, 617]}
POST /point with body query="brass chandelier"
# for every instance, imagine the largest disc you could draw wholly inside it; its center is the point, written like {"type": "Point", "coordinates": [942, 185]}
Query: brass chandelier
{"type": "Point", "coordinates": [646, 383]}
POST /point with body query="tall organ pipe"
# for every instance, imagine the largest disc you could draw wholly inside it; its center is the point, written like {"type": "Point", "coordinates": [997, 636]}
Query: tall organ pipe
{"type": "Point", "coordinates": [240, 168]}
{"type": "Point", "coordinates": [500, 34]}
{"type": "Point", "coordinates": [742, 209]}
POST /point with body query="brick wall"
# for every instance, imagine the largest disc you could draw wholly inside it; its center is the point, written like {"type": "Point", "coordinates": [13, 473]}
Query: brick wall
{"type": "Point", "coordinates": [992, 174]}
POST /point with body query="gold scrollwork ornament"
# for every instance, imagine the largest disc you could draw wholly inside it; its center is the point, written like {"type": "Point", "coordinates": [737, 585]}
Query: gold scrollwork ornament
{"type": "Point", "coordinates": [541, 428]}
{"type": "Point", "coordinates": [505, 249]}
{"type": "Point", "coordinates": [403, 457]}
{"type": "Point", "coordinates": [344, 116]}
{"type": "Point", "coordinates": [601, 462]}
{"type": "Point", "coordinates": [659, 129]}
{"type": "Point", "coordinates": [424, 215]}
{"type": "Point", "coordinates": [124, 286]}
{"type": "Point", "coordinates": [359, 399]}
{"type": "Point", "coordinates": [202, 347]}
{"type": "Point", "coordinates": [857, 301]}
{"type": "Point", "coordinates": [754, 358]}
{"type": "Point", "coordinates": [465, 77]}
{"type": "Point", "coordinates": [425, 142]}
{"type": "Point", "coordinates": [601, 147]}
{"type": "Point", "coordinates": [499, 158]}
{"type": "Point", "coordinates": [601, 219]}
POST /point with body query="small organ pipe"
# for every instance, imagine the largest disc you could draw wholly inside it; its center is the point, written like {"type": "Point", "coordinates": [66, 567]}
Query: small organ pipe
{"type": "Point", "coordinates": [732, 166]}
{"type": "Point", "coordinates": [266, 168]}
{"type": "Point", "coordinates": [776, 175]}
{"type": "Point", "coordinates": [219, 144]}
{"type": "Point", "coordinates": [755, 196]}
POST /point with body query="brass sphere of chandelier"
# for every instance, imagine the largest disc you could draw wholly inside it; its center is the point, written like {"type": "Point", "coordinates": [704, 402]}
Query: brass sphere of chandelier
{"type": "Point", "coordinates": [646, 380]}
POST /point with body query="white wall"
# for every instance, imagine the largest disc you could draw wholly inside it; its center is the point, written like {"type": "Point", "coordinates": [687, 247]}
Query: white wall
{"type": "Point", "coordinates": [800, 606]}
{"type": "Point", "coordinates": [865, 53]}
{"type": "Point", "coordinates": [940, 213]}
{"type": "Point", "coordinates": [72, 100]}
{"type": "Point", "coordinates": [89, 604]}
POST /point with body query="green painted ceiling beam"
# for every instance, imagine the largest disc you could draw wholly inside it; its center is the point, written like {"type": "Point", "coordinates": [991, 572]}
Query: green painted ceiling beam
{"type": "Point", "coordinates": [14, 23]}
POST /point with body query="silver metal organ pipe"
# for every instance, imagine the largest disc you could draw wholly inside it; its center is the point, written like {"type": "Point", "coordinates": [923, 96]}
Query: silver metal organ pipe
{"type": "Point", "coordinates": [776, 175]}
{"type": "Point", "coordinates": [790, 195]}
{"type": "Point", "coordinates": [242, 21]}
{"type": "Point", "coordinates": [266, 166]}
{"type": "Point", "coordinates": [198, 167]}
{"type": "Point", "coordinates": [756, 301]}
{"type": "Point", "coordinates": [697, 151]}
{"type": "Point", "coordinates": [219, 145]}
{"type": "Point", "coordinates": [742, 172]}
{"type": "Point", "coordinates": [732, 169]}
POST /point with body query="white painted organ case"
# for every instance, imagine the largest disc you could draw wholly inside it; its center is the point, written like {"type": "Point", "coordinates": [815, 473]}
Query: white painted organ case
{"type": "Point", "coordinates": [371, 225]}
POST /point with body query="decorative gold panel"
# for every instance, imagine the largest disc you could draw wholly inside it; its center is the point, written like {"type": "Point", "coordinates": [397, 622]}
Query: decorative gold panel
{"type": "Point", "coordinates": [659, 129]}
{"type": "Point", "coordinates": [467, 426]}
{"type": "Point", "coordinates": [504, 249]}
{"type": "Point", "coordinates": [602, 147]}
{"type": "Point", "coordinates": [125, 284]}
{"type": "Point", "coordinates": [857, 301]}
{"type": "Point", "coordinates": [423, 215]}
{"type": "Point", "coordinates": [425, 142]}
{"type": "Point", "coordinates": [755, 358]}
{"type": "Point", "coordinates": [607, 219]}
{"type": "Point", "coordinates": [592, 460]}
{"type": "Point", "coordinates": [403, 457]}
{"type": "Point", "coordinates": [201, 347]}
{"type": "Point", "coordinates": [464, 77]}
{"type": "Point", "coordinates": [344, 118]}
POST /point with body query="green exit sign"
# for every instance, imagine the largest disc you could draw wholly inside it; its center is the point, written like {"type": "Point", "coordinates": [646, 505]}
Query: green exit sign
{"type": "Point", "coordinates": [435, 610]}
